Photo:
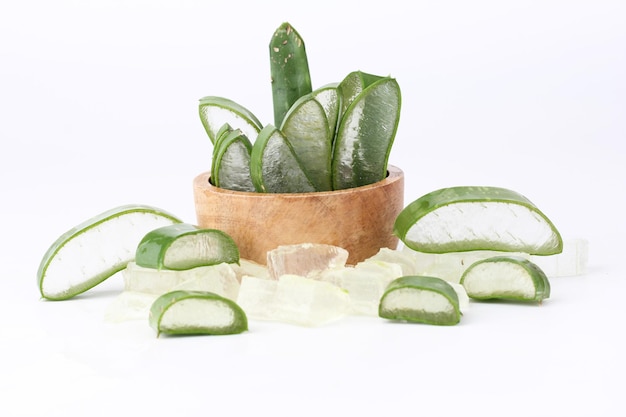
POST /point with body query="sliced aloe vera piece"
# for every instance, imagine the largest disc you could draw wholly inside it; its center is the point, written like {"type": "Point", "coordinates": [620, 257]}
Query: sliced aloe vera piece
{"type": "Point", "coordinates": [420, 299]}
{"type": "Point", "coordinates": [196, 312]}
{"type": "Point", "coordinates": [274, 167]}
{"type": "Point", "coordinates": [231, 162]}
{"type": "Point", "coordinates": [94, 250]}
{"type": "Point", "coordinates": [460, 219]}
{"type": "Point", "coordinates": [353, 85]}
{"type": "Point", "coordinates": [217, 111]}
{"type": "Point", "coordinates": [329, 98]}
{"type": "Point", "coordinates": [289, 69]}
{"type": "Point", "coordinates": [365, 135]}
{"type": "Point", "coordinates": [307, 130]}
{"type": "Point", "coordinates": [221, 134]}
{"type": "Point", "coordinates": [506, 277]}
{"type": "Point", "coordinates": [185, 246]}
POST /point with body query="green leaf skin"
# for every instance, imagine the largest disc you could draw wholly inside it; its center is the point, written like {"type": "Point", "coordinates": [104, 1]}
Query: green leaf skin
{"type": "Point", "coordinates": [289, 69]}
{"type": "Point", "coordinates": [535, 273]}
{"type": "Point", "coordinates": [422, 283]}
{"type": "Point", "coordinates": [81, 231]}
{"type": "Point", "coordinates": [419, 208]}
{"type": "Point", "coordinates": [164, 302]}
{"type": "Point", "coordinates": [151, 251]}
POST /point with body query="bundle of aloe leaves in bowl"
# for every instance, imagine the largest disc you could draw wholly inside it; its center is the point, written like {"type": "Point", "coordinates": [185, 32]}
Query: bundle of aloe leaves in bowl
{"type": "Point", "coordinates": [335, 137]}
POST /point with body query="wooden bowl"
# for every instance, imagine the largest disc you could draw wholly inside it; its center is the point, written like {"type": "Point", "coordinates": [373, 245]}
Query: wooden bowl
{"type": "Point", "coordinates": [359, 220]}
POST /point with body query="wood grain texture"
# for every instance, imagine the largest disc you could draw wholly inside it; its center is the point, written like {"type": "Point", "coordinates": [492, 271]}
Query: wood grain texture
{"type": "Point", "coordinates": [359, 220]}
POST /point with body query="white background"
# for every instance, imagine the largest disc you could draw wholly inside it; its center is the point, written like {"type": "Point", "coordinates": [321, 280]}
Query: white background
{"type": "Point", "coordinates": [98, 108]}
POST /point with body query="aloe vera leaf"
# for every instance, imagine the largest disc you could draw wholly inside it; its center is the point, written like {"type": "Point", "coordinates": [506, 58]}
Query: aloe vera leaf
{"type": "Point", "coordinates": [306, 128]}
{"type": "Point", "coordinates": [506, 277]}
{"type": "Point", "coordinates": [289, 70]}
{"type": "Point", "coordinates": [216, 111]}
{"type": "Point", "coordinates": [273, 165]}
{"type": "Point", "coordinates": [231, 162]}
{"type": "Point", "coordinates": [184, 246]}
{"type": "Point", "coordinates": [470, 218]}
{"type": "Point", "coordinates": [365, 135]}
{"type": "Point", "coordinates": [78, 260]}
{"type": "Point", "coordinates": [196, 312]}
{"type": "Point", "coordinates": [420, 299]}
{"type": "Point", "coordinates": [352, 85]}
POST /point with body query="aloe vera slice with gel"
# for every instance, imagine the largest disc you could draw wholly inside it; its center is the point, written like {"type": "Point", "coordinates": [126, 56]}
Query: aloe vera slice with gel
{"type": "Point", "coordinates": [94, 250]}
{"type": "Point", "coordinates": [307, 130]}
{"type": "Point", "coordinates": [468, 218]}
{"type": "Point", "coordinates": [231, 162]}
{"type": "Point", "coordinates": [274, 166]}
{"type": "Point", "coordinates": [185, 246]}
{"type": "Point", "coordinates": [216, 111]}
{"type": "Point", "coordinates": [196, 312]}
{"type": "Point", "coordinates": [506, 277]}
{"type": "Point", "coordinates": [420, 299]}
{"type": "Point", "coordinates": [366, 132]}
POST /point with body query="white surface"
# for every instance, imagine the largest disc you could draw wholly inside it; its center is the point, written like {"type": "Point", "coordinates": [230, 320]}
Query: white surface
{"type": "Point", "coordinates": [99, 108]}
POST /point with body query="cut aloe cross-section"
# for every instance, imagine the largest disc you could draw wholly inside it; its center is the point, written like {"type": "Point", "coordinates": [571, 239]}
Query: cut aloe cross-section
{"type": "Point", "coordinates": [307, 130]}
{"type": "Point", "coordinates": [217, 111]}
{"type": "Point", "coordinates": [460, 219]}
{"type": "Point", "coordinates": [328, 96]}
{"type": "Point", "coordinates": [274, 167]}
{"type": "Point", "coordinates": [365, 135]}
{"type": "Point", "coordinates": [196, 312]}
{"type": "Point", "coordinates": [231, 162]}
{"type": "Point", "coordinates": [94, 250]}
{"type": "Point", "coordinates": [506, 277]}
{"type": "Point", "coordinates": [420, 299]}
{"type": "Point", "coordinates": [185, 246]}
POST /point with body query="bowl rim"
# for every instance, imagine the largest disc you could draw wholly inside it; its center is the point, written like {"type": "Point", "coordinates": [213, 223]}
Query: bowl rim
{"type": "Point", "coordinates": [202, 181]}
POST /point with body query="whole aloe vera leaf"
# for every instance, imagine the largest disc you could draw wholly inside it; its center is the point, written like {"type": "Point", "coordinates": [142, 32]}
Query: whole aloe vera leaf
{"type": "Point", "coordinates": [289, 70]}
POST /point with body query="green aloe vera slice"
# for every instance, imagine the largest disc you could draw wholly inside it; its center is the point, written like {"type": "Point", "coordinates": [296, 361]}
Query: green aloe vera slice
{"type": "Point", "coordinates": [420, 299]}
{"type": "Point", "coordinates": [196, 312]}
{"type": "Point", "coordinates": [97, 248]}
{"type": "Point", "coordinates": [221, 134]}
{"type": "Point", "coordinates": [506, 277]}
{"type": "Point", "coordinates": [185, 246]}
{"type": "Point", "coordinates": [217, 111]}
{"type": "Point", "coordinates": [329, 98]}
{"type": "Point", "coordinates": [307, 130]}
{"type": "Point", "coordinates": [467, 218]}
{"type": "Point", "coordinates": [352, 85]}
{"type": "Point", "coordinates": [274, 167]}
{"type": "Point", "coordinates": [289, 69]}
{"type": "Point", "coordinates": [365, 135]}
{"type": "Point", "coordinates": [231, 162]}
